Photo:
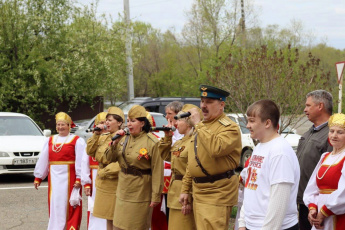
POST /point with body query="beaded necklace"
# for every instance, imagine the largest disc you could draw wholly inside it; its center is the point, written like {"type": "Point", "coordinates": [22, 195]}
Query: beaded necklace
{"type": "Point", "coordinates": [56, 148]}
{"type": "Point", "coordinates": [317, 175]}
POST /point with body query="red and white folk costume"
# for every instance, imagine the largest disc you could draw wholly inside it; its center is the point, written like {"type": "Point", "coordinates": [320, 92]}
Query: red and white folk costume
{"type": "Point", "coordinates": [60, 159]}
{"type": "Point", "coordinates": [326, 190]}
{"type": "Point", "coordinates": [88, 179]}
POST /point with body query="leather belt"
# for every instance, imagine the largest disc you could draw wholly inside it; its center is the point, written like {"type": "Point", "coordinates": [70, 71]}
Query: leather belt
{"type": "Point", "coordinates": [178, 177]}
{"type": "Point", "coordinates": [136, 171]}
{"type": "Point", "coordinates": [213, 178]}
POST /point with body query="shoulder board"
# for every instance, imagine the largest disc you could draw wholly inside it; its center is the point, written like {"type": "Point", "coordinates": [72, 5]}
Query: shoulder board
{"type": "Point", "coordinates": [225, 121]}
{"type": "Point", "coordinates": [152, 137]}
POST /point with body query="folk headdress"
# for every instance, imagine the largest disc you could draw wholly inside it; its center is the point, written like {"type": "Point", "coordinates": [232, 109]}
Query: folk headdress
{"type": "Point", "coordinates": [337, 119]}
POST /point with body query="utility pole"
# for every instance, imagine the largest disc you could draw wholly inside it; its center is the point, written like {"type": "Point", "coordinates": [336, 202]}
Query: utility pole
{"type": "Point", "coordinates": [129, 50]}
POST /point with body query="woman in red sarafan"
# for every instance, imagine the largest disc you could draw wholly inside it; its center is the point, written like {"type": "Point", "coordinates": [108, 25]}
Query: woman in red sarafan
{"type": "Point", "coordinates": [60, 159]}
{"type": "Point", "coordinates": [325, 192]}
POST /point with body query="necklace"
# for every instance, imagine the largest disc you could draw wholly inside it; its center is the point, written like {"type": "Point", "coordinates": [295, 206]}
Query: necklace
{"type": "Point", "coordinates": [56, 148]}
{"type": "Point", "coordinates": [317, 175]}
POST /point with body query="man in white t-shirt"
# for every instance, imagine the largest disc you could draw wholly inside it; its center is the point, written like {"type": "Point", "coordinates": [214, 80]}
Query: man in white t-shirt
{"type": "Point", "coordinates": [272, 176]}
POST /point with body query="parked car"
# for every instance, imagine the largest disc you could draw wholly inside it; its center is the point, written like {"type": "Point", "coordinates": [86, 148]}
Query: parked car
{"type": "Point", "coordinates": [157, 104]}
{"type": "Point", "coordinates": [292, 137]}
{"type": "Point", "coordinates": [21, 141]}
{"type": "Point", "coordinates": [81, 131]}
{"type": "Point", "coordinates": [248, 143]}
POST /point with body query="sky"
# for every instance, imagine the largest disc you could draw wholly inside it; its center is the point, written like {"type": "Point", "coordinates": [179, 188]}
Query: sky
{"type": "Point", "coordinates": [324, 18]}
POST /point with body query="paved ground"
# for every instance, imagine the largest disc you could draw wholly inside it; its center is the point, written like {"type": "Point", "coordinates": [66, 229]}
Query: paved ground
{"type": "Point", "coordinates": [22, 207]}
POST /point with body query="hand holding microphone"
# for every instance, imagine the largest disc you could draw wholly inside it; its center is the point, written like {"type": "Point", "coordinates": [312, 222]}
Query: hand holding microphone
{"type": "Point", "coordinates": [97, 128]}
{"type": "Point", "coordinates": [119, 133]}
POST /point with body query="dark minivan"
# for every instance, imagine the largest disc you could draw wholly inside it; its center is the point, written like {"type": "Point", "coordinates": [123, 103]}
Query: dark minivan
{"type": "Point", "coordinates": [157, 104]}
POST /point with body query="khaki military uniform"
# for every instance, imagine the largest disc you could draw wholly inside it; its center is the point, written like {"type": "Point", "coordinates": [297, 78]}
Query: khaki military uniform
{"type": "Point", "coordinates": [219, 150]}
{"type": "Point", "coordinates": [136, 192]}
{"type": "Point", "coordinates": [178, 156]}
{"type": "Point", "coordinates": [107, 176]}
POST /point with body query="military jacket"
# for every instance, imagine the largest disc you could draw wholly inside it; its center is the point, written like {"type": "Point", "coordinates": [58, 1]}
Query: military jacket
{"type": "Point", "coordinates": [107, 172]}
{"type": "Point", "coordinates": [219, 150]}
{"type": "Point", "coordinates": [142, 152]}
{"type": "Point", "coordinates": [178, 156]}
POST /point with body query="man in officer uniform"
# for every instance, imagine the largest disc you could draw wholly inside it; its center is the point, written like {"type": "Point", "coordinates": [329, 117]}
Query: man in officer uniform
{"type": "Point", "coordinates": [213, 155]}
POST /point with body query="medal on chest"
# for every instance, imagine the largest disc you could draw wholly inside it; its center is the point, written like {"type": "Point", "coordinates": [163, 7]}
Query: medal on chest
{"type": "Point", "coordinates": [178, 151]}
{"type": "Point", "coordinates": [143, 153]}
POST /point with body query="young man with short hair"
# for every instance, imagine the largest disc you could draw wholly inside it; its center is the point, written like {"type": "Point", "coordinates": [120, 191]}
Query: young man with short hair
{"type": "Point", "coordinates": [273, 174]}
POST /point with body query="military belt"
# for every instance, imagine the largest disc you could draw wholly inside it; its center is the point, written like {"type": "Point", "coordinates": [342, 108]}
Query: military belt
{"type": "Point", "coordinates": [213, 178]}
{"type": "Point", "coordinates": [178, 177]}
{"type": "Point", "coordinates": [136, 171]}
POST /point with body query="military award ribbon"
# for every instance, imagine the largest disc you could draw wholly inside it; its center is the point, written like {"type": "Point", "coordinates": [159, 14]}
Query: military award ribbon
{"type": "Point", "coordinates": [143, 153]}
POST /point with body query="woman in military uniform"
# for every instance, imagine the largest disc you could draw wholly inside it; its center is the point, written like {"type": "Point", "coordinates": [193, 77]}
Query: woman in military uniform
{"type": "Point", "coordinates": [141, 177]}
{"type": "Point", "coordinates": [107, 175]}
{"type": "Point", "coordinates": [180, 217]}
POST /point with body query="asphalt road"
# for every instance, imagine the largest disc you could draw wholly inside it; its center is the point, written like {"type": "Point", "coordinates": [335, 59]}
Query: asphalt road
{"type": "Point", "coordinates": [22, 207]}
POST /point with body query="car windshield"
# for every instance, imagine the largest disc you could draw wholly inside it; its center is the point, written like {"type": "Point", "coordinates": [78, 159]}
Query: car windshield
{"type": "Point", "coordinates": [126, 106]}
{"type": "Point", "coordinates": [242, 123]}
{"type": "Point", "coordinates": [18, 126]}
{"type": "Point", "coordinates": [288, 130]}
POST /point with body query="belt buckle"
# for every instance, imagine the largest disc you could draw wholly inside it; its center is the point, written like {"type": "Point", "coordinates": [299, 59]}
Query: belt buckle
{"type": "Point", "coordinates": [195, 180]}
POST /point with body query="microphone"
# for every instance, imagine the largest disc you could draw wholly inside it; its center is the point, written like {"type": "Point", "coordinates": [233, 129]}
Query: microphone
{"type": "Point", "coordinates": [96, 129]}
{"type": "Point", "coordinates": [163, 128]}
{"type": "Point", "coordinates": [182, 115]}
{"type": "Point", "coordinates": [126, 130]}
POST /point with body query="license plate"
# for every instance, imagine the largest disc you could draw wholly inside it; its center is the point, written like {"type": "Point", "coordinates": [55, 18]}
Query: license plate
{"type": "Point", "coordinates": [30, 161]}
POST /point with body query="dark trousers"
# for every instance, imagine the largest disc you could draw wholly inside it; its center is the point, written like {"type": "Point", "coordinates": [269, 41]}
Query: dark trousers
{"type": "Point", "coordinates": [303, 217]}
{"type": "Point", "coordinates": [295, 227]}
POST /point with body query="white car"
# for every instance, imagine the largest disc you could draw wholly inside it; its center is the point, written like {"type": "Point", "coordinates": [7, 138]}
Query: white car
{"type": "Point", "coordinates": [81, 131]}
{"type": "Point", "coordinates": [248, 143]}
{"type": "Point", "coordinates": [21, 141]}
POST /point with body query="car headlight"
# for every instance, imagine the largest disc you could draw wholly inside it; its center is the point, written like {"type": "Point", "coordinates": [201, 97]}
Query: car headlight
{"type": "Point", "coordinates": [4, 154]}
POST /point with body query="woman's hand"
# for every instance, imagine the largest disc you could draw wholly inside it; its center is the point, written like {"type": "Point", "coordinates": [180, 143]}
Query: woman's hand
{"type": "Point", "coordinates": [169, 133]}
{"type": "Point", "coordinates": [153, 204]}
{"type": "Point", "coordinates": [312, 216]}
{"type": "Point", "coordinates": [37, 185]}
{"type": "Point", "coordinates": [242, 228]}
{"type": "Point", "coordinates": [77, 185]}
{"type": "Point", "coordinates": [186, 209]}
{"type": "Point", "coordinates": [319, 221]}
{"type": "Point", "coordinates": [120, 132]}
{"type": "Point", "coordinates": [102, 127]}
{"type": "Point", "coordinates": [87, 191]}
{"type": "Point", "coordinates": [183, 199]}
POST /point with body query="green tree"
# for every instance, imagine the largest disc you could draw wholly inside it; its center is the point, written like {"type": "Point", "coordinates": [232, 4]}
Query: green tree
{"type": "Point", "coordinates": [268, 73]}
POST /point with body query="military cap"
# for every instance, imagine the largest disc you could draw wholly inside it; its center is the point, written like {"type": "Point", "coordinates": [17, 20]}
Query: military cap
{"type": "Point", "coordinates": [116, 111]}
{"type": "Point", "coordinates": [213, 92]}
{"type": "Point", "coordinates": [136, 111]}
{"type": "Point", "coordinates": [100, 117]}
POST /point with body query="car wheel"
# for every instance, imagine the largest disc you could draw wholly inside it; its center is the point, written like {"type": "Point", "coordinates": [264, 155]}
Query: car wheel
{"type": "Point", "coordinates": [245, 156]}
